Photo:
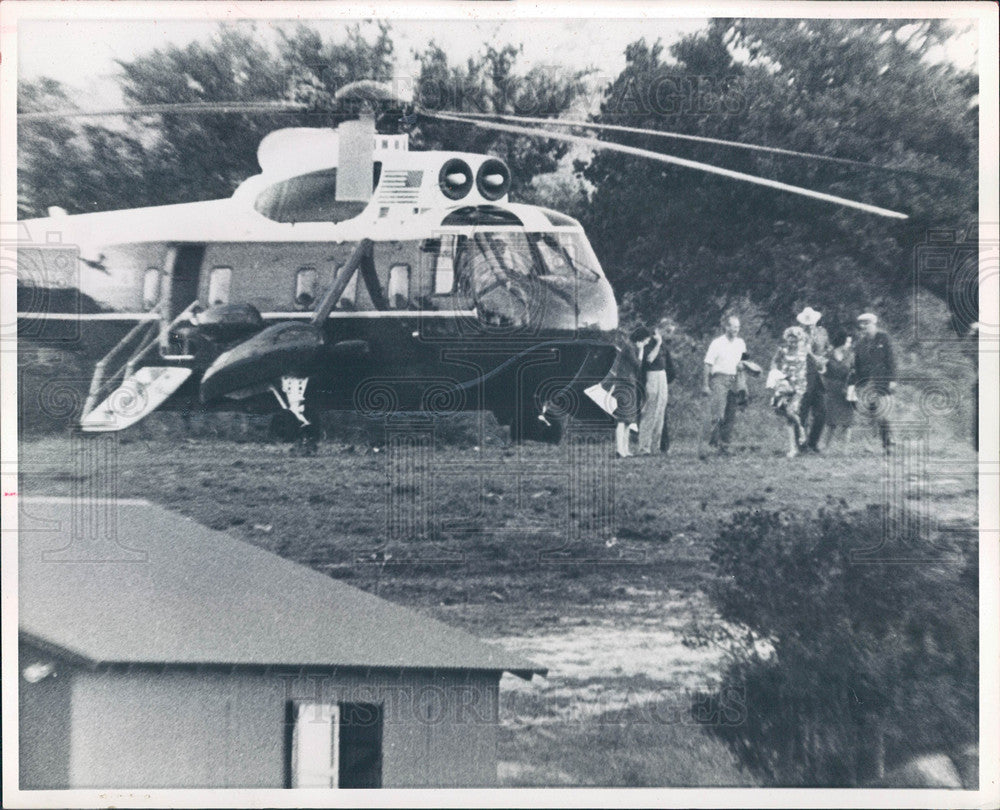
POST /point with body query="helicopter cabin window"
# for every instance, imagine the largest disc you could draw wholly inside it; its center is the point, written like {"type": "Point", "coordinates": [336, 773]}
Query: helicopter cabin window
{"type": "Point", "coordinates": [506, 254]}
{"type": "Point", "coordinates": [308, 198]}
{"type": "Point", "coordinates": [349, 298]}
{"type": "Point", "coordinates": [581, 255]}
{"type": "Point", "coordinates": [218, 286]}
{"type": "Point", "coordinates": [437, 257]}
{"type": "Point", "coordinates": [566, 254]}
{"type": "Point", "coordinates": [305, 287]}
{"type": "Point", "coordinates": [399, 286]}
{"type": "Point", "coordinates": [151, 287]}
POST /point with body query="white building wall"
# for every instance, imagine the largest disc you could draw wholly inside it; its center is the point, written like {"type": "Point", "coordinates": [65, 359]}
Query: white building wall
{"type": "Point", "coordinates": [146, 727]}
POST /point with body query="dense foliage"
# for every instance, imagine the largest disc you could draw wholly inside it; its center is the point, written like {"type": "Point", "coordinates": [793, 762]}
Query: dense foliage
{"type": "Point", "coordinates": [854, 650]}
{"type": "Point", "coordinates": [77, 167]}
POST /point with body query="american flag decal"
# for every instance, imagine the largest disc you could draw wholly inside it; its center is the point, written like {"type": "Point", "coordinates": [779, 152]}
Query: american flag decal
{"type": "Point", "coordinates": [400, 186]}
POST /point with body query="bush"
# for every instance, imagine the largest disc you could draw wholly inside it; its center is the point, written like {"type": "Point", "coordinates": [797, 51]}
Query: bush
{"type": "Point", "coordinates": [848, 663]}
{"type": "Point", "coordinates": [52, 388]}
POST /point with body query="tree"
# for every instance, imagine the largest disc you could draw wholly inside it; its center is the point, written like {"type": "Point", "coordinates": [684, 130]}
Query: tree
{"type": "Point", "coordinates": [318, 69]}
{"type": "Point", "coordinates": [845, 88]}
{"type": "Point", "coordinates": [852, 651]}
{"type": "Point", "coordinates": [79, 168]}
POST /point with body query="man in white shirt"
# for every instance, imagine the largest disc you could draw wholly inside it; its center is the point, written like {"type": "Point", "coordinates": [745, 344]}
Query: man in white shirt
{"type": "Point", "coordinates": [722, 360]}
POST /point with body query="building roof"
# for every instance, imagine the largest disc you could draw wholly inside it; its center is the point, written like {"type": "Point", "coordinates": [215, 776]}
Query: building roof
{"type": "Point", "coordinates": [170, 591]}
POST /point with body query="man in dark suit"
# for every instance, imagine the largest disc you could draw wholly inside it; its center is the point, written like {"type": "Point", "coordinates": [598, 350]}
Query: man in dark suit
{"type": "Point", "coordinates": [667, 329]}
{"type": "Point", "coordinates": [874, 376]}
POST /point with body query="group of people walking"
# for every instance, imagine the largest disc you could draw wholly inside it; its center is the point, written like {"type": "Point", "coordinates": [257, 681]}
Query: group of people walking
{"type": "Point", "coordinates": [818, 384]}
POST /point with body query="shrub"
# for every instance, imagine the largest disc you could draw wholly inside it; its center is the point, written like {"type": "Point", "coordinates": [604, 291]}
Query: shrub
{"type": "Point", "coordinates": [847, 662]}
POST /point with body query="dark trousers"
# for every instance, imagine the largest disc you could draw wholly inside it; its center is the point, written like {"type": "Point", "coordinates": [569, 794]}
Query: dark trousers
{"type": "Point", "coordinates": [813, 405]}
{"type": "Point", "coordinates": [875, 399]}
{"type": "Point", "coordinates": [722, 433]}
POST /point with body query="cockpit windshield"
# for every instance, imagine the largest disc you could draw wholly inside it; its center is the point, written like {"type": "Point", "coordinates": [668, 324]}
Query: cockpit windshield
{"type": "Point", "coordinates": [520, 254]}
{"type": "Point", "coordinates": [508, 274]}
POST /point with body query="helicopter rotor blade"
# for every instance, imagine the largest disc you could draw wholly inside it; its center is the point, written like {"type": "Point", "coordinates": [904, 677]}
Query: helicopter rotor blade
{"type": "Point", "coordinates": [365, 89]}
{"type": "Point", "coordinates": [192, 108]}
{"type": "Point", "coordinates": [596, 143]}
{"type": "Point", "coordinates": [681, 136]}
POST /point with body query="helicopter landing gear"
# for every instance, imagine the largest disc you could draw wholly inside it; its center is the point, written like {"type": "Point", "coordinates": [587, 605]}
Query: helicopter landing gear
{"type": "Point", "coordinates": [550, 427]}
{"type": "Point", "coordinates": [546, 427]}
{"type": "Point", "coordinates": [294, 389]}
{"type": "Point", "coordinates": [307, 441]}
{"type": "Point", "coordinates": [284, 427]}
{"type": "Point", "coordinates": [295, 423]}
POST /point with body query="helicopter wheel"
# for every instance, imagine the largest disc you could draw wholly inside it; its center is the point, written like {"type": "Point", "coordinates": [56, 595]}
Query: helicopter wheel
{"type": "Point", "coordinates": [308, 438]}
{"type": "Point", "coordinates": [284, 427]}
{"type": "Point", "coordinates": [531, 428]}
{"type": "Point", "coordinates": [552, 432]}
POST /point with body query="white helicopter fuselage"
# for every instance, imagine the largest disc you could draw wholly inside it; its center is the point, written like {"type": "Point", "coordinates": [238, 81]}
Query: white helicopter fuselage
{"type": "Point", "coordinates": [284, 235]}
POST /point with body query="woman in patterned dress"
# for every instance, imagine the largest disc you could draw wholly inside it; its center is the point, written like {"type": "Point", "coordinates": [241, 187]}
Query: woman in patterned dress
{"type": "Point", "coordinates": [788, 378]}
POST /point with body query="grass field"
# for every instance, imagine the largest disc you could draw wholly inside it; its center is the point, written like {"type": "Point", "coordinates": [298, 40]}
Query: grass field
{"type": "Point", "coordinates": [592, 566]}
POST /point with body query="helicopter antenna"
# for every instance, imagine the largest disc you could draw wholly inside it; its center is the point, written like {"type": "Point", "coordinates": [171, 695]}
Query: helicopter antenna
{"type": "Point", "coordinates": [596, 143]}
{"type": "Point", "coordinates": [681, 136]}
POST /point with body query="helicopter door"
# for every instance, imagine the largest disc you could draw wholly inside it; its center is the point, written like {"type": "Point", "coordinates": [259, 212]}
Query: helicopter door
{"type": "Point", "coordinates": [184, 275]}
{"type": "Point", "coordinates": [440, 283]}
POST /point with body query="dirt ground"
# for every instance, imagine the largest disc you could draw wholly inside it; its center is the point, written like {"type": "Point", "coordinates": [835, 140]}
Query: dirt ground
{"type": "Point", "coordinates": [591, 566]}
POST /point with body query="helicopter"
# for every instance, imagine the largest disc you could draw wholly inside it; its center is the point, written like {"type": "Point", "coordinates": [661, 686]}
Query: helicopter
{"type": "Point", "coordinates": [466, 300]}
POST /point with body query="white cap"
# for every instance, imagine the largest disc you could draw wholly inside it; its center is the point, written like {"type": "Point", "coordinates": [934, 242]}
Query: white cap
{"type": "Point", "coordinates": [867, 317]}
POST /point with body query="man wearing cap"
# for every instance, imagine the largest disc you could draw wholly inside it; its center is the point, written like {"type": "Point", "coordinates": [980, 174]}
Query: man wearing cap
{"type": "Point", "coordinates": [812, 411]}
{"type": "Point", "coordinates": [722, 361]}
{"type": "Point", "coordinates": [874, 376]}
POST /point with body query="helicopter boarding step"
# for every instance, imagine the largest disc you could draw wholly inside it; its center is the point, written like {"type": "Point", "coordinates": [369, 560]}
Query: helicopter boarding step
{"type": "Point", "coordinates": [140, 392]}
{"type": "Point", "coordinates": [138, 396]}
